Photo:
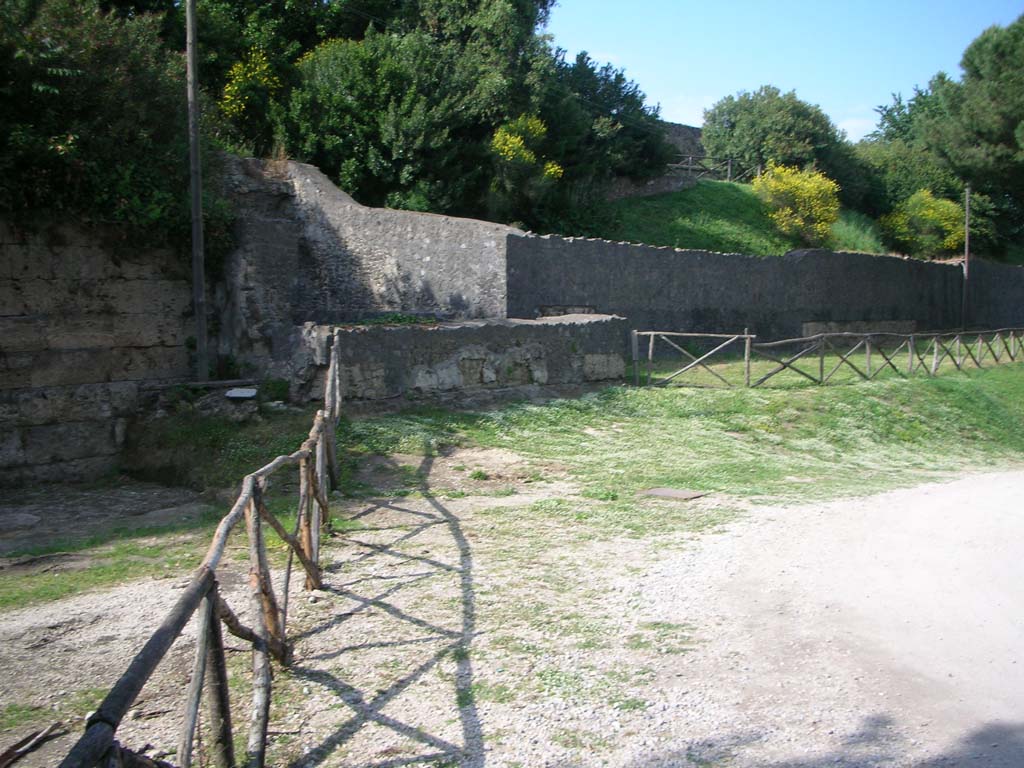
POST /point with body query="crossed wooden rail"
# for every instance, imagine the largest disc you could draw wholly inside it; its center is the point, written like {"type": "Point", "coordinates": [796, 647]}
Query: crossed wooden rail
{"type": "Point", "coordinates": [317, 466]}
{"type": "Point", "coordinates": [882, 351]}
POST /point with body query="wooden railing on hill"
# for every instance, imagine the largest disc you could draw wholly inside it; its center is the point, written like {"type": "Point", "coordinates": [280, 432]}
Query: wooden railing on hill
{"type": "Point", "coordinates": [317, 468]}
{"type": "Point", "coordinates": [702, 166]}
{"type": "Point", "coordinates": [905, 354]}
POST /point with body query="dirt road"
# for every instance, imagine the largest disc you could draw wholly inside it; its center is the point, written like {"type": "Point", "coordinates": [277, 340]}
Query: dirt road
{"type": "Point", "coordinates": [488, 631]}
{"type": "Point", "coordinates": [887, 630]}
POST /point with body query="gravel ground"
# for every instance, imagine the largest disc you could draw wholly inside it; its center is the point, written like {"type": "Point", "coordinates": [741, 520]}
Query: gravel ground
{"type": "Point", "coordinates": [877, 631]}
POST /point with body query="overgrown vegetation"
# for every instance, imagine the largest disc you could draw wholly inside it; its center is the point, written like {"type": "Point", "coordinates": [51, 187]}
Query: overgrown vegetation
{"type": "Point", "coordinates": [726, 217]}
{"type": "Point", "coordinates": [92, 114]}
{"type": "Point", "coordinates": [946, 135]}
{"type": "Point", "coordinates": [789, 442]}
{"type": "Point", "coordinates": [802, 203]}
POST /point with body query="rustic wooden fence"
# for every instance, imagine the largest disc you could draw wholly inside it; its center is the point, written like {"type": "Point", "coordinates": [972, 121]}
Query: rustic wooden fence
{"type": "Point", "coordinates": [820, 357]}
{"type": "Point", "coordinates": [702, 166]}
{"type": "Point", "coordinates": [317, 469]}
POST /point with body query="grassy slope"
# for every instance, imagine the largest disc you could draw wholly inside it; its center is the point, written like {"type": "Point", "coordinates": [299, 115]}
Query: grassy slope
{"type": "Point", "coordinates": [723, 216]}
{"type": "Point", "coordinates": [769, 444]}
{"type": "Point", "coordinates": [781, 444]}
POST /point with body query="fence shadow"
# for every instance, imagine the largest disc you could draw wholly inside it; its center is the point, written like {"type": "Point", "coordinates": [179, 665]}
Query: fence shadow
{"type": "Point", "coordinates": [367, 706]}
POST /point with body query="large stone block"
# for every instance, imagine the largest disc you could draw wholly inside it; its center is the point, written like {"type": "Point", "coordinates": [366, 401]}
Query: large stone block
{"type": "Point", "coordinates": [63, 442]}
{"type": "Point", "coordinates": [47, 405]}
{"type": "Point", "coordinates": [77, 470]}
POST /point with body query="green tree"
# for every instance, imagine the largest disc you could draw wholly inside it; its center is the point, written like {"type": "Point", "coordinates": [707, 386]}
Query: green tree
{"type": "Point", "coordinates": [768, 126]}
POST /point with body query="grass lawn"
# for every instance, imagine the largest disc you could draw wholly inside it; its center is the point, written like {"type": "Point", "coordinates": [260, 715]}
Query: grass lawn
{"type": "Point", "coordinates": [724, 216]}
{"type": "Point", "coordinates": [792, 441]}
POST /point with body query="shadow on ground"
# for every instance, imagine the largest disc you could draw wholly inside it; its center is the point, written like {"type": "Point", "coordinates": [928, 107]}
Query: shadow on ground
{"type": "Point", "coordinates": [998, 745]}
{"type": "Point", "coordinates": [367, 705]}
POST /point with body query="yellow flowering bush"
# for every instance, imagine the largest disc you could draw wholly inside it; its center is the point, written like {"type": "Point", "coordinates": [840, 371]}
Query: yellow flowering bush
{"type": "Point", "coordinates": [247, 78]}
{"type": "Point", "coordinates": [802, 203]}
{"type": "Point", "coordinates": [511, 147]}
{"type": "Point", "coordinates": [926, 226]}
{"type": "Point", "coordinates": [553, 170]}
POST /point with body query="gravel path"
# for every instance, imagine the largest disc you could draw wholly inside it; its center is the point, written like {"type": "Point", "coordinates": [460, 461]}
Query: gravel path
{"type": "Point", "coordinates": [468, 631]}
{"type": "Point", "coordinates": [886, 630]}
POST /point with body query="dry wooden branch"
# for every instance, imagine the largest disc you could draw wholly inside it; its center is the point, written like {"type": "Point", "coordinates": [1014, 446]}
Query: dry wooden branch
{"type": "Point", "coordinates": [195, 686]}
{"type": "Point", "coordinates": [242, 632]}
{"type": "Point", "coordinates": [30, 743]}
{"type": "Point", "coordinates": [783, 364]}
{"type": "Point", "coordinates": [257, 741]}
{"type": "Point", "coordinates": [311, 570]}
{"type": "Point", "coordinates": [218, 698]}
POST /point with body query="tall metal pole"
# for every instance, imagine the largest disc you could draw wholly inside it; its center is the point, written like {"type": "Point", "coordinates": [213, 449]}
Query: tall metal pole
{"type": "Point", "coordinates": [196, 185]}
{"type": "Point", "coordinates": [967, 253]}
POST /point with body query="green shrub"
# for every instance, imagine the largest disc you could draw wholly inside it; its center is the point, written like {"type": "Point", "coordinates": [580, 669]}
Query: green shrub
{"type": "Point", "coordinates": [93, 120]}
{"type": "Point", "coordinates": [926, 226]}
{"type": "Point", "coordinates": [801, 203]}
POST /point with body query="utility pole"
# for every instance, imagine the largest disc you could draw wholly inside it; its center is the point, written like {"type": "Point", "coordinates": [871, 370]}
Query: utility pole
{"type": "Point", "coordinates": [967, 253]}
{"type": "Point", "coordinates": [196, 188]}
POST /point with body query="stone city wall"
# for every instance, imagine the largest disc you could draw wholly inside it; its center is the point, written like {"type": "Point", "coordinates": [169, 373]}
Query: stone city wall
{"type": "Point", "coordinates": [775, 297]}
{"type": "Point", "coordinates": [82, 324]}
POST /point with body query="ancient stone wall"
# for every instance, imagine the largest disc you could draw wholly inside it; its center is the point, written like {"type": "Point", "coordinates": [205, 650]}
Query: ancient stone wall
{"type": "Point", "coordinates": [309, 253]}
{"type": "Point", "coordinates": [776, 297]}
{"type": "Point", "coordinates": [386, 362]}
{"type": "Point", "coordinates": [83, 323]}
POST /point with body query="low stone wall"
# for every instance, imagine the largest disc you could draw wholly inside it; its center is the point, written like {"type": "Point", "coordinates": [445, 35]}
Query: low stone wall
{"type": "Point", "coordinates": [82, 324]}
{"type": "Point", "coordinates": [384, 362]}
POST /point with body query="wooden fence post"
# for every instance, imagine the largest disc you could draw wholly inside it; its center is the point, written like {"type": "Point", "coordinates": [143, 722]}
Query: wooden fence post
{"type": "Point", "coordinates": [218, 701]}
{"type": "Point", "coordinates": [821, 360]}
{"type": "Point", "coordinates": [911, 350]}
{"type": "Point", "coordinates": [634, 347]}
{"type": "Point", "coordinates": [650, 359]}
{"type": "Point", "coordinates": [980, 351]}
{"type": "Point", "coordinates": [959, 353]}
{"type": "Point", "coordinates": [261, 680]}
{"type": "Point", "coordinates": [195, 686]}
{"type": "Point", "coordinates": [867, 348]}
{"type": "Point", "coordinates": [935, 356]}
{"type": "Point", "coordinates": [746, 345]}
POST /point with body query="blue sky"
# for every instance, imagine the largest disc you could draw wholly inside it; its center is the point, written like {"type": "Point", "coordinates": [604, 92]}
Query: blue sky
{"type": "Point", "coordinates": [847, 57]}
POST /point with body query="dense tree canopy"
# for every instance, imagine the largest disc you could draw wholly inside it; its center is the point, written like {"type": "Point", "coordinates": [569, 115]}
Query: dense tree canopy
{"type": "Point", "coordinates": [400, 102]}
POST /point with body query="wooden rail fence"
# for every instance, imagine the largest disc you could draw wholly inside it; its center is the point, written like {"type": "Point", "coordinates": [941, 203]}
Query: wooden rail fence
{"type": "Point", "coordinates": [905, 354]}
{"type": "Point", "coordinates": [316, 463]}
{"type": "Point", "coordinates": [702, 166]}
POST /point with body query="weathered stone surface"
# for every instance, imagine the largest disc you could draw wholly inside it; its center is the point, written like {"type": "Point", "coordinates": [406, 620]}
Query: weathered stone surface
{"type": "Point", "coordinates": [63, 442]}
{"type": "Point", "coordinates": [44, 405]}
{"type": "Point", "coordinates": [379, 362]}
{"type": "Point", "coordinates": [80, 324]}
{"type": "Point", "coordinates": [78, 470]}
{"type": "Point", "coordinates": [677, 290]}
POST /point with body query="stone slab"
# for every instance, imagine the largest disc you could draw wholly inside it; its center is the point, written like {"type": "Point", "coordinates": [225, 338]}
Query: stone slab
{"type": "Point", "coordinates": [673, 494]}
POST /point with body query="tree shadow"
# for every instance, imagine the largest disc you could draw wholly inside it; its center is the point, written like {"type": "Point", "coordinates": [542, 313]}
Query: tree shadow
{"type": "Point", "coordinates": [871, 745]}
{"type": "Point", "coordinates": [367, 708]}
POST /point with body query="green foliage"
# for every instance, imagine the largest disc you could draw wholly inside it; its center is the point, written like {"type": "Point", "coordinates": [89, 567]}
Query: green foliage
{"type": "Point", "coordinates": [802, 203]}
{"type": "Point", "coordinates": [522, 178]}
{"type": "Point", "coordinates": [274, 389]}
{"type": "Point", "coordinates": [392, 118]}
{"type": "Point", "coordinates": [926, 226]}
{"type": "Point", "coordinates": [961, 131]}
{"type": "Point", "coordinates": [92, 110]}
{"type": "Point", "coordinates": [713, 216]}
{"type": "Point", "coordinates": [856, 233]}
